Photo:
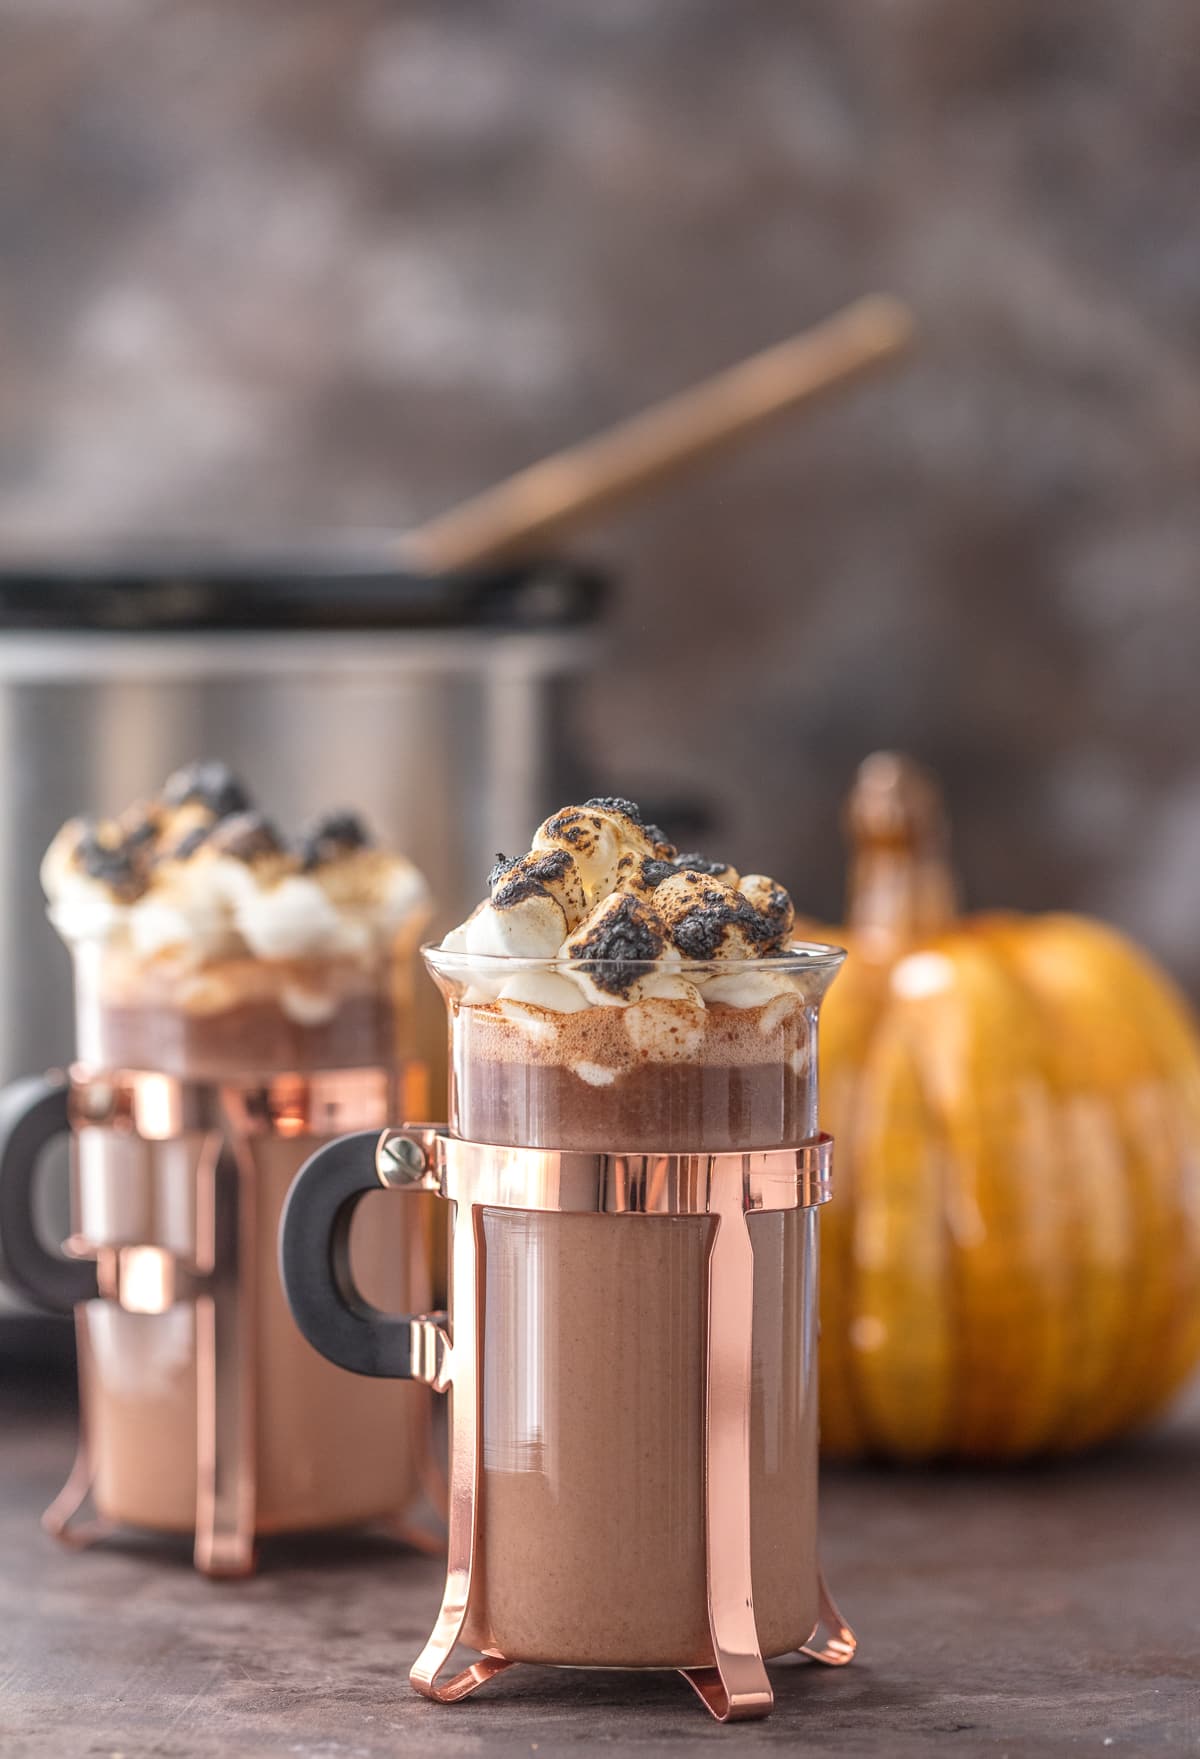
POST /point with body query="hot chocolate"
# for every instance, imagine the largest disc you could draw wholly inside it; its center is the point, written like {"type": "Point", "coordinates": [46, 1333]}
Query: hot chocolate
{"type": "Point", "coordinates": [612, 995]}
{"type": "Point", "coordinates": [612, 992]}
{"type": "Point", "coordinates": [211, 950]}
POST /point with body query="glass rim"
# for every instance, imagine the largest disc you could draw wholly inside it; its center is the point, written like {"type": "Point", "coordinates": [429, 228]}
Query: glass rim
{"type": "Point", "coordinates": [801, 957]}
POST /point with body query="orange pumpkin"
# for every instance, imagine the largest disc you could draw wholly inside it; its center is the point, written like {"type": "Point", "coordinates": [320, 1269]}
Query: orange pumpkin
{"type": "Point", "coordinates": [1011, 1263]}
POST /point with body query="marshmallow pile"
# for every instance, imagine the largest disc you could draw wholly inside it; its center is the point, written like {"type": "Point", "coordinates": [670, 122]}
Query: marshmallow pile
{"type": "Point", "coordinates": [625, 919]}
{"type": "Point", "coordinates": [199, 875]}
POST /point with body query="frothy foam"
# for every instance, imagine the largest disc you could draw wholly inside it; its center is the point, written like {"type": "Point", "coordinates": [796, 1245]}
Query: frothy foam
{"type": "Point", "coordinates": [654, 1030]}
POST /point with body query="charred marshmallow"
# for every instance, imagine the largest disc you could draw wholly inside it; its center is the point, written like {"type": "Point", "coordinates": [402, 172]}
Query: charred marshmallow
{"type": "Point", "coordinates": [606, 898]}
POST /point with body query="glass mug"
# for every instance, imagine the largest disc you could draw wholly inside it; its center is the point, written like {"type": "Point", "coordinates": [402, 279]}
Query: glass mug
{"type": "Point", "coordinates": [631, 1337]}
{"type": "Point", "coordinates": [201, 1409]}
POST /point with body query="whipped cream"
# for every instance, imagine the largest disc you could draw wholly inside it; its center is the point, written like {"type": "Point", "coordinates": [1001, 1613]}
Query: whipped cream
{"type": "Point", "coordinates": [627, 922]}
{"type": "Point", "coordinates": [198, 876]}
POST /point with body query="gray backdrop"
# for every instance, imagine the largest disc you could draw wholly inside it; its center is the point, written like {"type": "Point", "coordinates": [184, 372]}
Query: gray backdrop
{"type": "Point", "coordinates": [269, 264]}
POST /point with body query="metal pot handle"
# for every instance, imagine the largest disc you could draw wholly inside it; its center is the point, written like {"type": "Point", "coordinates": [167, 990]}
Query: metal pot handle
{"type": "Point", "coordinates": [314, 1267]}
{"type": "Point", "coordinates": [32, 1113]}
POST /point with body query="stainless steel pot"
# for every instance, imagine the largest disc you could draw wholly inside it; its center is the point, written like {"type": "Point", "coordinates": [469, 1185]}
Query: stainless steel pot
{"type": "Point", "coordinates": [432, 704]}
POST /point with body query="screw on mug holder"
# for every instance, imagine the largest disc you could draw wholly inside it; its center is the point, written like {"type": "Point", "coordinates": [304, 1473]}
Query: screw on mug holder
{"type": "Point", "coordinates": [729, 1187]}
{"type": "Point", "coordinates": [401, 1159]}
{"type": "Point", "coordinates": [218, 1282]}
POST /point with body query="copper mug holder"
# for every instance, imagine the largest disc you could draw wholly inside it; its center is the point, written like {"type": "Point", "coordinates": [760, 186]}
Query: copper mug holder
{"type": "Point", "coordinates": [445, 1351]}
{"type": "Point", "coordinates": [218, 1279]}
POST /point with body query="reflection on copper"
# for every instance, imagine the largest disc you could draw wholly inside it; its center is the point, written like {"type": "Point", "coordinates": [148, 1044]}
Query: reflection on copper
{"type": "Point", "coordinates": [833, 1643]}
{"type": "Point", "coordinates": [459, 1374]}
{"type": "Point", "coordinates": [142, 1279]}
{"type": "Point", "coordinates": [226, 1456]}
{"type": "Point", "coordinates": [608, 1184]}
{"type": "Point", "coordinates": [446, 1354]}
{"type": "Point", "coordinates": [736, 1687]}
{"type": "Point", "coordinates": [72, 1517]}
{"type": "Point", "coordinates": [219, 1282]}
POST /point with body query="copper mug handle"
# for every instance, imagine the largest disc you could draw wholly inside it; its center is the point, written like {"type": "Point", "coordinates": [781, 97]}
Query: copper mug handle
{"type": "Point", "coordinates": [314, 1268]}
{"type": "Point", "coordinates": [32, 1113]}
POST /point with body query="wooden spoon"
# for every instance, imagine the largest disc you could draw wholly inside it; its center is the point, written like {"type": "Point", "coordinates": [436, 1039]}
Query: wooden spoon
{"type": "Point", "coordinates": [522, 514]}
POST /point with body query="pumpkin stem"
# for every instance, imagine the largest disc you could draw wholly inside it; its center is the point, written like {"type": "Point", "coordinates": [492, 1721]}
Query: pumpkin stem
{"type": "Point", "coordinates": [901, 886]}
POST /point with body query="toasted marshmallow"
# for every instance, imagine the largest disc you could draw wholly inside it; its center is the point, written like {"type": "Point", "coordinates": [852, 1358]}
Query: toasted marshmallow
{"type": "Point", "coordinates": [472, 936]}
{"type": "Point", "coordinates": [179, 831]}
{"type": "Point", "coordinates": [405, 896]}
{"type": "Point", "coordinates": [378, 892]}
{"type": "Point", "coordinates": [208, 989]}
{"type": "Point", "coordinates": [595, 1074]}
{"type": "Point", "coordinates": [671, 986]}
{"type": "Point", "coordinates": [455, 939]}
{"type": "Point", "coordinates": [707, 920]}
{"type": "Point", "coordinates": [184, 911]}
{"type": "Point", "coordinates": [532, 928]}
{"type": "Point", "coordinates": [554, 992]}
{"type": "Point", "coordinates": [667, 1024]}
{"type": "Point", "coordinates": [211, 784]}
{"type": "Point", "coordinates": [633, 907]}
{"type": "Point", "coordinates": [90, 880]}
{"type": "Point", "coordinates": [198, 876]}
{"type": "Point", "coordinates": [750, 988]}
{"type": "Point", "coordinates": [773, 904]}
{"type": "Point", "coordinates": [251, 838]}
{"type": "Point", "coordinates": [308, 1007]}
{"type": "Point", "coordinates": [591, 839]}
{"type": "Point", "coordinates": [87, 910]}
{"type": "Point", "coordinates": [641, 874]}
{"type": "Point", "coordinates": [331, 836]}
{"type": "Point", "coordinates": [694, 862]}
{"type": "Point", "coordinates": [554, 872]}
{"type": "Point", "coordinates": [141, 826]}
{"type": "Point", "coordinates": [632, 831]}
{"type": "Point", "coordinates": [292, 919]}
{"type": "Point", "coordinates": [780, 1015]}
{"type": "Point", "coordinates": [93, 850]}
{"type": "Point", "coordinates": [536, 1023]}
{"type": "Point", "coordinates": [535, 900]}
{"type": "Point", "coordinates": [352, 881]}
{"type": "Point", "coordinates": [60, 862]}
{"type": "Point", "coordinates": [612, 948]}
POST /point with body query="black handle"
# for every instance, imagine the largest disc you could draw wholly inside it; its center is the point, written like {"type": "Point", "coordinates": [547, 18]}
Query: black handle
{"type": "Point", "coordinates": [314, 1263]}
{"type": "Point", "coordinates": [32, 1113]}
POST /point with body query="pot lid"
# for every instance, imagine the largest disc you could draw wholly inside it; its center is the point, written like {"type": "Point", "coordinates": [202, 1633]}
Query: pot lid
{"type": "Point", "coordinates": [165, 590]}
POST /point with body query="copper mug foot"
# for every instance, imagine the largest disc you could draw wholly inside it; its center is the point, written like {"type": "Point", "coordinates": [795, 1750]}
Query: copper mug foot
{"type": "Point", "coordinates": [728, 1693]}
{"type": "Point", "coordinates": [833, 1643]}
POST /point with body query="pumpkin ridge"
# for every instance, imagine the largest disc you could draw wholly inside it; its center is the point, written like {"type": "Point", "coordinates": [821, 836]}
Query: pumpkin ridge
{"type": "Point", "coordinates": [1078, 1393]}
{"type": "Point", "coordinates": [1159, 1142]}
{"type": "Point", "coordinates": [1136, 1095]}
{"type": "Point", "coordinates": [1004, 1259]}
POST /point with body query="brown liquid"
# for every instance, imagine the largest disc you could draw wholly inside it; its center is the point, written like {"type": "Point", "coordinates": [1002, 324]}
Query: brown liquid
{"type": "Point", "coordinates": [750, 1085]}
{"type": "Point", "coordinates": [332, 1448]}
{"type": "Point", "coordinates": [592, 1504]}
{"type": "Point", "coordinates": [254, 1037]}
{"type": "Point", "coordinates": [660, 1107]}
{"type": "Point", "coordinates": [593, 1546]}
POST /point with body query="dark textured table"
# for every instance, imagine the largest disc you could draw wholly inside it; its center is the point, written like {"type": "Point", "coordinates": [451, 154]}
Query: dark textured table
{"type": "Point", "coordinates": [1037, 1612]}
